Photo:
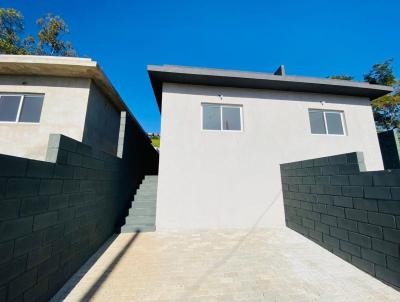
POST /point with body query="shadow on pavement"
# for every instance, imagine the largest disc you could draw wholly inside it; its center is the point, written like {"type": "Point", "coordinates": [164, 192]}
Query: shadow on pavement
{"type": "Point", "coordinates": [77, 277]}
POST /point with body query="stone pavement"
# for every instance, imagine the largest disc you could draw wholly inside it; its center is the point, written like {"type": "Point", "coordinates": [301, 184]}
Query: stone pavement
{"type": "Point", "coordinates": [257, 265]}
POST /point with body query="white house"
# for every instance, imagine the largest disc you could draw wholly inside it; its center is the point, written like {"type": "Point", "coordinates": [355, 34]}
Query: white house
{"type": "Point", "coordinates": [224, 134]}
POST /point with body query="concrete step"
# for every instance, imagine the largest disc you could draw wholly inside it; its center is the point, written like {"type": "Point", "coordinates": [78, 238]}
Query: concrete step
{"type": "Point", "coordinates": [150, 181]}
{"type": "Point", "coordinates": [145, 198]}
{"type": "Point", "coordinates": [148, 187]}
{"type": "Point", "coordinates": [147, 220]}
{"type": "Point", "coordinates": [132, 223]}
{"type": "Point", "coordinates": [153, 180]}
{"type": "Point", "coordinates": [135, 223]}
{"type": "Point", "coordinates": [149, 184]}
{"type": "Point", "coordinates": [144, 205]}
{"type": "Point", "coordinates": [146, 193]}
{"type": "Point", "coordinates": [142, 211]}
{"type": "Point", "coordinates": [143, 201]}
{"type": "Point", "coordinates": [142, 215]}
{"type": "Point", "coordinates": [137, 228]}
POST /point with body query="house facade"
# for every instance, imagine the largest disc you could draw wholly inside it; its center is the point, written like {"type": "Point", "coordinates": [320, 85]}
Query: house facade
{"type": "Point", "coordinates": [42, 95]}
{"type": "Point", "coordinates": [225, 133]}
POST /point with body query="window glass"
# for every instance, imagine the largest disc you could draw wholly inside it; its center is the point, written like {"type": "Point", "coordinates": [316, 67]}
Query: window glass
{"type": "Point", "coordinates": [211, 117]}
{"type": "Point", "coordinates": [317, 122]}
{"type": "Point", "coordinates": [334, 122]}
{"type": "Point", "coordinates": [31, 109]}
{"type": "Point", "coordinates": [231, 118]}
{"type": "Point", "coordinates": [9, 105]}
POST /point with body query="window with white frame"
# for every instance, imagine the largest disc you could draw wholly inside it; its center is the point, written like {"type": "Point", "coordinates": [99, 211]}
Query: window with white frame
{"type": "Point", "coordinates": [222, 117]}
{"type": "Point", "coordinates": [327, 122]}
{"type": "Point", "coordinates": [20, 108]}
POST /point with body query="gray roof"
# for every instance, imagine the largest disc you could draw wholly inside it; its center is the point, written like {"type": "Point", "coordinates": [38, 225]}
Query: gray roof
{"type": "Point", "coordinates": [258, 80]}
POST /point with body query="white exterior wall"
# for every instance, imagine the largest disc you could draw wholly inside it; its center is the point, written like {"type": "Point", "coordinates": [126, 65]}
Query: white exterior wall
{"type": "Point", "coordinates": [214, 179]}
{"type": "Point", "coordinates": [64, 111]}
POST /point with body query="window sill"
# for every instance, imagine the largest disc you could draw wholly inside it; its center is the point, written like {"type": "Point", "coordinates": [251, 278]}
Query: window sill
{"type": "Point", "coordinates": [340, 135]}
{"type": "Point", "coordinates": [18, 123]}
{"type": "Point", "coordinates": [228, 131]}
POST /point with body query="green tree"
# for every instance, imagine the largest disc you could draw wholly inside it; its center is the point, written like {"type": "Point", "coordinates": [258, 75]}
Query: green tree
{"type": "Point", "coordinates": [381, 74]}
{"type": "Point", "coordinates": [11, 27]}
{"type": "Point", "coordinates": [49, 37]}
{"type": "Point", "coordinates": [386, 109]}
{"type": "Point", "coordinates": [341, 77]}
{"type": "Point", "coordinates": [51, 29]}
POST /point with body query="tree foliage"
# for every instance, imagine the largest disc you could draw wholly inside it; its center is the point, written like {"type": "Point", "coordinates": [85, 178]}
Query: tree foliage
{"type": "Point", "coordinates": [51, 28]}
{"type": "Point", "coordinates": [11, 26]}
{"type": "Point", "coordinates": [341, 77]}
{"type": "Point", "coordinates": [381, 74]}
{"type": "Point", "coordinates": [386, 109]}
{"type": "Point", "coordinates": [49, 37]}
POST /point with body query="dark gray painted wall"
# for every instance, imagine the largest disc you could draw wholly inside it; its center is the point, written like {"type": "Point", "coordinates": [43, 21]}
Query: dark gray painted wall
{"type": "Point", "coordinates": [54, 216]}
{"type": "Point", "coordinates": [102, 122]}
{"type": "Point", "coordinates": [389, 142]}
{"type": "Point", "coordinates": [353, 214]}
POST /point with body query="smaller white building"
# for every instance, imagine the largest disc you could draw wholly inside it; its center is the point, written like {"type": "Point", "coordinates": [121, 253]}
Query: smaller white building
{"type": "Point", "coordinates": [40, 95]}
{"type": "Point", "coordinates": [225, 133]}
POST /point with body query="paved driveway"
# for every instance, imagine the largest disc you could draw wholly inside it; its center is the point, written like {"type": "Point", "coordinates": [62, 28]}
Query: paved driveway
{"type": "Point", "coordinates": [258, 265]}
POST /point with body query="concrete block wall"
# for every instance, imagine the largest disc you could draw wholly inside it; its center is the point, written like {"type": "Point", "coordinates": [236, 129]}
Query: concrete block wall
{"type": "Point", "coordinates": [54, 215]}
{"type": "Point", "coordinates": [389, 142]}
{"type": "Point", "coordinates": [353, 214]}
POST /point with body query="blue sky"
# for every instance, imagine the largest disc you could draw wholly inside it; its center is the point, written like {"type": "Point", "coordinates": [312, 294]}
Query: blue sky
{"type": "Point", "coordinates": [311, 38]}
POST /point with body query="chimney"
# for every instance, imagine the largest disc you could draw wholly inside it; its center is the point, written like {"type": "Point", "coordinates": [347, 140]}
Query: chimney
{"type": "Point", "coordinates": [280, 71]}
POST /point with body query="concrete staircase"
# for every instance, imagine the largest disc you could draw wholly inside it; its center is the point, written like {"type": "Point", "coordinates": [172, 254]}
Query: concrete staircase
{"type": "Point", "coordinates": [142, 214]}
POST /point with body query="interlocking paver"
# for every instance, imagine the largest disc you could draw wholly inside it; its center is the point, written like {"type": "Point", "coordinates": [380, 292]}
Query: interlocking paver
{"type": "Point", "coordinates": [220, 265]}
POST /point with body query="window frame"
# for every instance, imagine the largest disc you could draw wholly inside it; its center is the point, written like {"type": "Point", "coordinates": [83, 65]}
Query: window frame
{"type": "Point", "coordinates": [221, 116]}
{"type": "Point", "coordinates": [22, 99]}
{"type": "Point", "coordinates": [324, 111]}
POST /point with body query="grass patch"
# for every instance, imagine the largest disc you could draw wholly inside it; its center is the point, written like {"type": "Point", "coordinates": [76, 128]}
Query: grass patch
{"type": "Point", "coordinates": [155, 141]}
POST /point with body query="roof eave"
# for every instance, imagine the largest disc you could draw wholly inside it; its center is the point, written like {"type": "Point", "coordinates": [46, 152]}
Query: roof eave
{"type": "Point", "coordinates": [225, 78]}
